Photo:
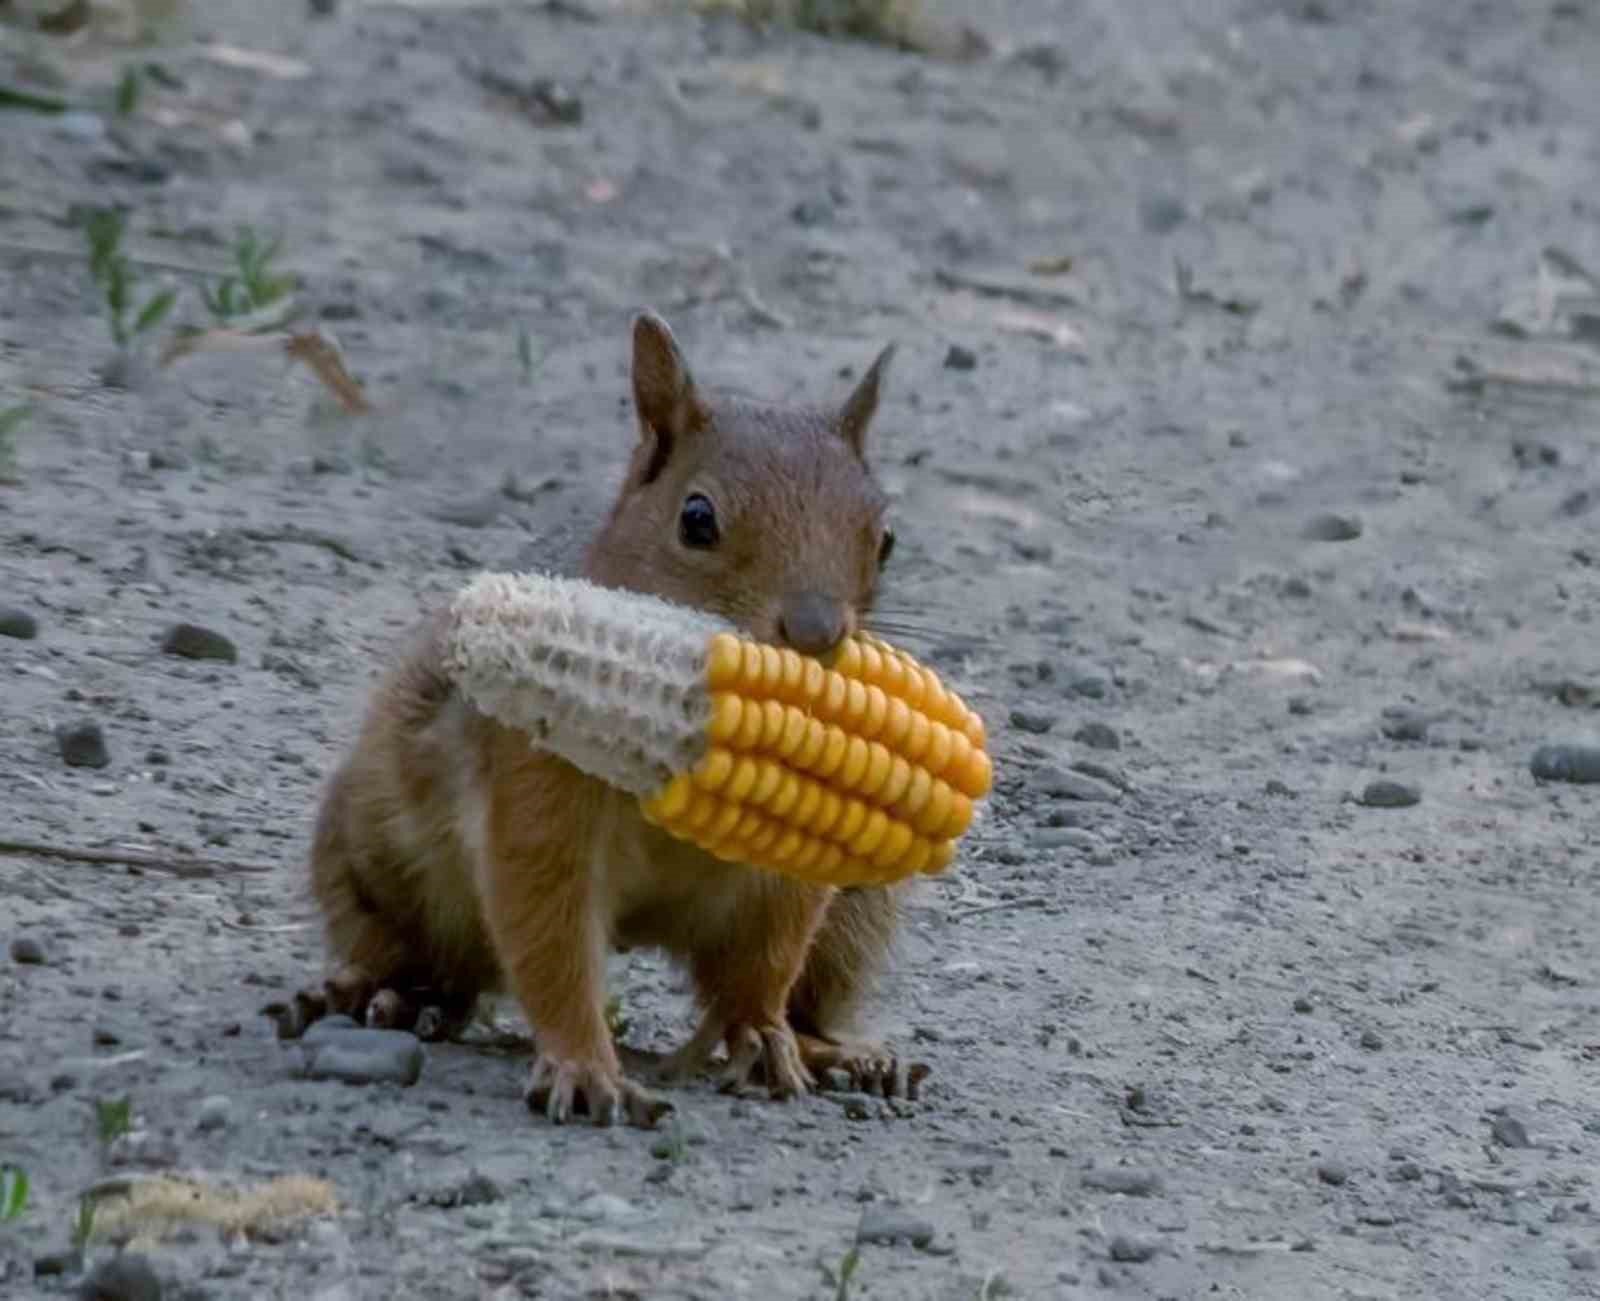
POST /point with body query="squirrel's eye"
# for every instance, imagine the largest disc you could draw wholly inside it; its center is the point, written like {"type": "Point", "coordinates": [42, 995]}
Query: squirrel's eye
{"type": "Point", "coordinates": [697, 522]}
{"type": "Point", "coordinates": [885, 548]}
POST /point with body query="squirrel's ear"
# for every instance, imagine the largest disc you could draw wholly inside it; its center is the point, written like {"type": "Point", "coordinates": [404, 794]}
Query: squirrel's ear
{"type": "Point", "coordinates": [664, 394]}
{"type": "Point", "coordinates": [859, 408]}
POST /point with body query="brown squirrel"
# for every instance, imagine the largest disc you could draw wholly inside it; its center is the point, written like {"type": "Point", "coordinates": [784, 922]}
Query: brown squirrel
{"type": "Point", "coordinates": [451, 858]}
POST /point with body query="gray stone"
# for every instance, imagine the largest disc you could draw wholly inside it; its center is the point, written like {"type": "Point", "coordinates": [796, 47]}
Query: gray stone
{"type": "Point", "coordinates": [1062, 783]}
{"type": "Point", "coordinates": [192, 642]}
{"type": "Point", "coordinates": [213, 1114]}
{"type": "Point", "coordinates": [1331, 528]}
{"type": "Point", "coordinates": [82, 744]}
{"type": "Point", "coordinates": [17, 623]}
{"type": "Point", "coordinates": [361, 1055]}
{"type": "Point", "coordinates": [1508, 1131]}
{"type": "Point", "coordinates": [28, 951]}
{"type": "Point", "coordinates": [127, 1276]}
{"type": "Point", "coordinates": [1566, 763]}
{"type": "Point", "coordinates": [1098, 736]}
{"type": "Point", "coordinates": [890, 1226]}
{"type": "Point", "coordinates": [1130, 1183]}
{"type": "Point", "coordinates": [1386, 794]}
{"type": "Point", "coordinates": [1131, 1250]}
{"type": "Point", "coordinates": [1333, 1172]}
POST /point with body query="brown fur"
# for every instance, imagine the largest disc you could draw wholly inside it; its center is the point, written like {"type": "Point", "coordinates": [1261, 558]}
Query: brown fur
{"type": "Point", "coordinates": [453, 858]}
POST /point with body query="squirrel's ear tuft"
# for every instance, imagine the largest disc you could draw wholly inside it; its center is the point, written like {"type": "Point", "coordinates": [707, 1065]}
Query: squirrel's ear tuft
{"type": "Point", "coordinates": [664, 395]}
{"type": "Point", "coordinates": [856, 415]}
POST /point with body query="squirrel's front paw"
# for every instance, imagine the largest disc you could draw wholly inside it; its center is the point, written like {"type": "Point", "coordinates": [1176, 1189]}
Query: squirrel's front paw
{"type": "Point", "coordinates": [562, 1089]}
{"type": "Point", "coordinates": [770, 1053]}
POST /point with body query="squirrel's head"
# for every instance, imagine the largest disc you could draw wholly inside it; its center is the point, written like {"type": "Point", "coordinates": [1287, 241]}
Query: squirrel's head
{"type": "Point", "coordinates": [768, 516]}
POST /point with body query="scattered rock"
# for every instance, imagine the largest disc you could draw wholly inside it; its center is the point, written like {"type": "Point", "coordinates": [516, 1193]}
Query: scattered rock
{"type": "Point", "coordinates": [1067, 838]}
{"type": "Point", "coordinates": [1331, 528]}
{"type": "Point", "coordinates": [1586, 1259]}
{"type": "Point", "coordinates": [1567, 763]}
{"type": "Point", "coordinates": [1130, 1183]}
{"type": "Point", "coordinates": [1401, 723]}
{"type": "Point", "coordinates": [1333, 1173]}
{"type": "Point", "coordinates": [1303, 1005]}
{"type": "Point", "coordinates": [889, 1226]}
{"type": "Point", "coordinates": [1131, 1250]}
{"type": "Point", "coordinates": [959, 358]}
{"type": "Point", "coordinates": [1036, 721]}
{"type": "Point", "coordinates": [1098, 736]}
{"type": "Point", "coordinates": [127, 1276]}
{"type": "Point", "coordinates": [360, 1055]}
{"type": "Point", "coordinates": [1160, 214]}
{"type": "Point", "coordinates": [28, 951]}
{"type": "Point", "coordinates": [603, 1208]}
{"type": "Point", "coordinates": [192, 642]}
{"type": "Point", "coordinates": [1386, 794]}
{"type": "Point", "coordinates": [82, 744]}
{"type": "Point", "coordinates": [213, 1114]}
{"type": "Point", "coordinates": [1508, 1131]}
{"type": "Point", "coordinates": [1371, 1040]}
{"type": "Point", "coordinates": [144, 1148]}
{"type": "Point", "coordinates": [17, 623]}
{"type": "Point", "coordinates": [1062, 783]}
{"type": "Point", "coordinates": [53, 1264]}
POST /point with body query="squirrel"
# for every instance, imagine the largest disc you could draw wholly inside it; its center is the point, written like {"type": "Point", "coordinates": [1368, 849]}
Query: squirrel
{"type": "Point", "coordinates": [451, 858]}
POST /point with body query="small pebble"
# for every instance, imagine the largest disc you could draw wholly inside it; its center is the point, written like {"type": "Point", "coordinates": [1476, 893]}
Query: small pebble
{"type": "Point", "coordinates": [82, 744]}
{"type": "Point", "coordinates": [192, 642]}
{"type": "Point", "coordinates": [1036, 721]}
{"type": "Point", "coordinates": [127, 1276]}
{"type": "Point", "coordinates": [1386, 794]}
{"type": "Point", "coordinates": [959, 358]}
{"type": "Point", "coordinates": [1303, 1005]}
{"type": "Point", "coordinates": [1402, 724]}
{"type": "Point", "coordinates": [17, 623]}
{"type": "Point", "coordinates": [1098, 736]}
{"type": "Point", "coordinates": [1066, 838]}
{"type": "Point", "coordinates": [1371, 1040]}
{"type": "Point", "coordinates": [604, 1208]}
{"type": "Point", "coordinates": [1062, 783]}
{"type": "Point", "coordinates": [888, 1226]}
{"type": "Point", "coordinates": [27, 950]}
{"type": "Point", "coordinates": [1586, 1259]}
{"type": "Point", "coordinates": [361, 1055]}
{"type": "Point", "coordinates": [55, 1263]}
{"type": "Point", "coordinates": [1131, 1250]}
{"type": "Point", "coordinates": [1567, 763]}
{"type": "Point", "coordinates": [1332, 528]}
{"type": "Point", "coordinates": [1331, 1172]}
{"type": "Point", "coordinates": [213, 1114]}
{"type": "Point", "coordinates": [1508, 1131]}
{"type": "Point", "coordinates": [1130, 1183]}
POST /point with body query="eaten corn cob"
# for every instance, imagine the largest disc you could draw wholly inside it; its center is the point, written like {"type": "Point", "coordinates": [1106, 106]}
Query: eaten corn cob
{"type": "Point", "coordinates": [861, 770]}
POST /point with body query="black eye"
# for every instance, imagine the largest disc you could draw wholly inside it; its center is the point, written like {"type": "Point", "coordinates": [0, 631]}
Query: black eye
{"type": "Point", "coordinates": [697, 522]}
{"type": "Point", "coordinates": [885, 548]}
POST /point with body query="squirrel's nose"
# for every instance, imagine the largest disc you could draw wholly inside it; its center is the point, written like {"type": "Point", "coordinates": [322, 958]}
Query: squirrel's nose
{"type": "Point", "coordinates": [811, 622]}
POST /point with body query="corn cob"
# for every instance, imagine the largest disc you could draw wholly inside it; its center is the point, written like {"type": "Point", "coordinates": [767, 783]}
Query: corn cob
{"type": "Point", "coordinates": [860, 770]}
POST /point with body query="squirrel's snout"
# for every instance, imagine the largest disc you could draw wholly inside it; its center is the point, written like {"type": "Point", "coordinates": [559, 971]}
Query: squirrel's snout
{"type": "Point", "coordinates": [812, 623]}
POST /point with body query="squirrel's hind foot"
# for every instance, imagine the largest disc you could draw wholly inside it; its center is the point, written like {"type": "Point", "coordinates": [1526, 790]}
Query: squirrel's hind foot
{"type": "Point", "coordinates": [869, 1068]}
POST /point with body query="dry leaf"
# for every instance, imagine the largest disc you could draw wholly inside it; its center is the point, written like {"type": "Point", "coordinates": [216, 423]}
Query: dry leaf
{"type": "Point", "coordinates": [316, 350]}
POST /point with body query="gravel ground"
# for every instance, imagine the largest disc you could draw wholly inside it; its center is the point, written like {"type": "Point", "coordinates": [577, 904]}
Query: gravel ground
{"type": "Point", "coordinates": [1244, 441]}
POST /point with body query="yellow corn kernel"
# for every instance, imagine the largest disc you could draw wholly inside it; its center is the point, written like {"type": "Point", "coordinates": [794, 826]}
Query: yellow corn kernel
{"type": "Point", "coordinates": [854, 767]}
{"type": "Point", "coordinates": [769, 777]}
{"type": "Point", "coordinates": [726, 711]}
{"type": "Point", "coordinates": [743, 781]}
{"type": "Point", "coordinates": [773, 718]}
{"type": "Point", "coordinates": [712, 772]}
{"type": "Point", "coordinates": [724, 655]}
{"type": "Point", "coordinates": [751, 724]}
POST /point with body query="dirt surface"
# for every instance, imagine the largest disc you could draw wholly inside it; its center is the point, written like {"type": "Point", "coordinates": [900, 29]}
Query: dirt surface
{"type": "Point", "coordinates": [1285, 486]}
